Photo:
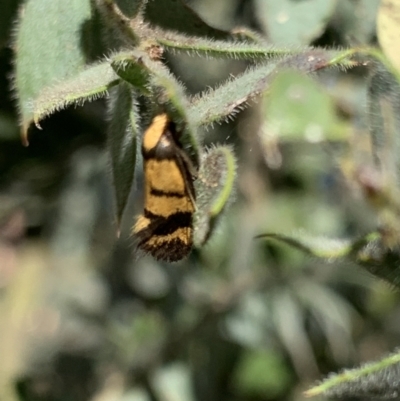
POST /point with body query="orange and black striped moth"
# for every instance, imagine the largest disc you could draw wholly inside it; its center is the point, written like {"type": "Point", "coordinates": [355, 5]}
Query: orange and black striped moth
{"type": "Point", "coordinates": [165, 229]}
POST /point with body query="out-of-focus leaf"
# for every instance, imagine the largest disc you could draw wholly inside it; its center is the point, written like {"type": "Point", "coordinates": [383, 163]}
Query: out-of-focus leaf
{"type": "Point", "coordinates": [176, 16]}
{"type": "Point", "coordinates": [262, 373]}
{"type": "Point", "coordinates": [149, 279]}
{"type": "Point", "coordinates": [247, 324]}
{"type": "Point", "coordinates": [130, 8]}
{"type": "Point", "coordinates": [355, 20]}
{"type": "Point", "coordinates": [122, 139]}
{"type": "Point", "coordinates": [135, 394]}
{"type": "Point", "coordinates": [8, 127]}
{"type": "Point", "coordinates": [288, 318]}
{"type": "Point", "coordinates": [297, 108]}
{"type": "Point", "coordinates": [49, 47]}
{"type": "Point", "coordinates": [320, 247]}
{"type": "Point", "coordinates": [116, 29]}
{"type": "Point", "coordinates": [332, 312]}
{"type": "Point", "coordinates": [173, 383]}
{"type": "Point", "coordinates": [18, 308]}
{"type": "Point", "coordinates": [388, 28]}
{"type": "Point", "coordinates": [222, 14]}
{"type": "Point", "coordinates": [291, 22]}
{"type": "Point", "coordinates": [137, 334]}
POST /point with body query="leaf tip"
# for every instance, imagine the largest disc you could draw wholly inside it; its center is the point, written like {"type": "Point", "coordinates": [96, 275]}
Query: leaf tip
{"type": "Point", "coordinates": [312, 392]}
{"type": "Point", "coordinates": [24, 134]}
{"type": "Point", "coordinates": [36, 121]}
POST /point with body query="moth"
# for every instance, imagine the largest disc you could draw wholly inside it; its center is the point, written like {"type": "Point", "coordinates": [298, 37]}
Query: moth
{"type": "Point", "coordinates": [165, 229]}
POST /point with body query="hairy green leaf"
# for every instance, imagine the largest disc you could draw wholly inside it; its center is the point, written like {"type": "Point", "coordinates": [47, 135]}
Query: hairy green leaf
{"type": "Point", "coordinates": [49, 48]}
{"type": "Point", "coordinates": [384, 120]}
{"type": "Point", "coordinates": [154, 79]}
{"type": "Point", "coordinates": [373, 380]}
{"type": "Point", "coordinates": [218, 48]}
{"type": "Point", "coordinates": [89, 84]}
{"type": "Point", "coordinates": [214, 189]}
{"type": "Point", "coordinates": [236, 93]}
{"type": "Point", "coordinates": [375, 256]}
{"type": "Point", "coordinates": [122, 141]}
{"type": "Point", "coordinates": [132, 68]}
{"type": "Point", "coordinates": [228, 99]}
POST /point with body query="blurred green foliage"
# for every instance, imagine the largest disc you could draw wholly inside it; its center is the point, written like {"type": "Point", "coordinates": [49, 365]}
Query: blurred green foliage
{"type": "Point", "coordinates": [82, 318]}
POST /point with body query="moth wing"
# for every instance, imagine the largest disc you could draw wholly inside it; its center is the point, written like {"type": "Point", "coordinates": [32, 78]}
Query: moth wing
{"type": "Point", "coordinates": [188, 172]}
